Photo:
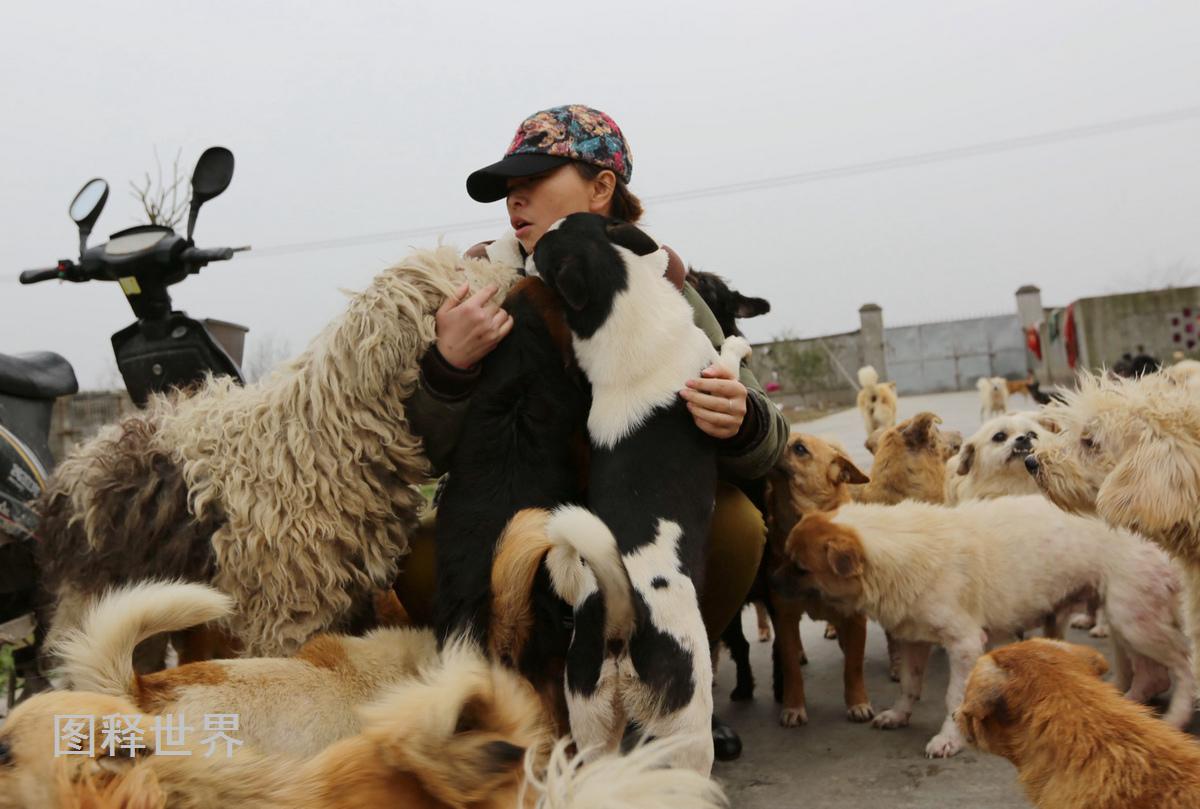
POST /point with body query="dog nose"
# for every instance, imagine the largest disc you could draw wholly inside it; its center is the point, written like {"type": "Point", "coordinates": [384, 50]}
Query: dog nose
{"type": "Point", "coordinates": [1022, 442]}
{"type": "Point", "coordinates": [1031, 463]}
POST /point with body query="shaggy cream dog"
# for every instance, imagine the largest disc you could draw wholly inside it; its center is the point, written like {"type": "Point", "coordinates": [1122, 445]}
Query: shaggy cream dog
{"type": "Point", "coordinates": [295, 705]}
{"type": "Point", "coordinates": [293, 495]}
{"type": "Point", "coordinates": [950, 576]}
{"type": "Point", "coordinates": [876, 402]}
{"type": "Point", "coordinates": [1075, 743]}
{"type": "Point", "coordinates": [1128, 450]}
{"type": "Point", "coordinates": [993, 396]}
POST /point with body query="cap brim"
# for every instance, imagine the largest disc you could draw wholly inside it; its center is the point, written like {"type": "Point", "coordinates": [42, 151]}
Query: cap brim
{"type": "Point", "coordinates": [490, 183]}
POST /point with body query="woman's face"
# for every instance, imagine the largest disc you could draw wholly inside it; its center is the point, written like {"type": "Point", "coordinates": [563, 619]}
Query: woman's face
{"type": "Point", "coordinates": [535, 203]}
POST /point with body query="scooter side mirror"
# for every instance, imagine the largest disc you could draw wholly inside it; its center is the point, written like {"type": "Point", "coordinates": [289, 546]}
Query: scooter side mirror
{"type": "Point", "coordinates": [86, 207]}
{"type": "Point", "coordinates": [211, 176]}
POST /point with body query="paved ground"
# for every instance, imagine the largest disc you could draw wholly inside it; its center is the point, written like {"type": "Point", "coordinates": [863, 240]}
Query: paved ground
{"type": "Point", "coordinates": [831, 762]}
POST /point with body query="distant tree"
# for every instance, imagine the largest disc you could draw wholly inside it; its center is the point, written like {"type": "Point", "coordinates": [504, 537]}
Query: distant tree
{"type": "Point", "coordinates": [265, 354]}
{"type": "Point", "coordinates": [164, 200]}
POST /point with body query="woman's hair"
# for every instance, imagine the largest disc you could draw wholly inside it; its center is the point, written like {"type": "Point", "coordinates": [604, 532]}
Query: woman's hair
{"type": "Point", "coordinates": [625, 204]}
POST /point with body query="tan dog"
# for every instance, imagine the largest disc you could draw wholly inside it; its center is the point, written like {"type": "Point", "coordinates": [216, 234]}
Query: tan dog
{"type": "Point", "coordinates": [910, 462]}
{"type": "Point", "coordinates": [813, 475]}
{"type": "Point", "coordinates": [1075, 742]}
{"type": "Point", "coordinates": [954, 576]}
{"type": "Point", "coordinates": [296, 705]}
{"type": "Point", "coordinates": [1021, 386]}
{"type": "Point", "coordinates": [876, 401]}
{"type": "Point", "coordinates": [453, 738]}
{"type": "Point", "coordinates": [1128, 450]}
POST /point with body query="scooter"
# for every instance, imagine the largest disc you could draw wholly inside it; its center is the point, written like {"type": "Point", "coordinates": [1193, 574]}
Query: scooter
{"type": "Point", "coordinates": [164, 349]}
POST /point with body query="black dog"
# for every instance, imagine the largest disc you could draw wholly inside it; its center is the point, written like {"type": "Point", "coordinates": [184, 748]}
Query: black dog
{"type": "Point", "coordinates": [652, 478]}
{"type": "Point", "coordinates": [728, 305]}
{"type": "Point", "coordinates": [522, 445]}
{"type": "Point", "coordinates": [1044, 398]}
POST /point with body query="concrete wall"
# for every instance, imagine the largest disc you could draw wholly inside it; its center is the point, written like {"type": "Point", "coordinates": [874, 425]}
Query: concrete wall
{"type": "Point", "coordinates": [1162, 321]}
{"type": "Point", "coordinates": [952, 355]}
{"type": "Point", "coordinates": [810, 372]}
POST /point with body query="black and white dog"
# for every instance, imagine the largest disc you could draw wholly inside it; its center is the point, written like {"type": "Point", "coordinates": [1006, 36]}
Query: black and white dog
{"type": "Point", "coordinates": [652, 478]}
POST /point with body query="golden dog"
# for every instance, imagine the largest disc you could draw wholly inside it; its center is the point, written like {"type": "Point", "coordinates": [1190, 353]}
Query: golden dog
{"type": "Point", "coordinates": [1075, 742]}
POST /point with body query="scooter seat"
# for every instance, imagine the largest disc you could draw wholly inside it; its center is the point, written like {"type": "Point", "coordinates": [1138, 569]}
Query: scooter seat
{"type": "Point", "coordinates": [37, 375]}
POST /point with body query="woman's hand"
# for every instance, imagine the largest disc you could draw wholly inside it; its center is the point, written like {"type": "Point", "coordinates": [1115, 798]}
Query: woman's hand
{"type": "Point", "coordinates": [468, 330]}
{"type": "Point", "coordinates": [717, 401]}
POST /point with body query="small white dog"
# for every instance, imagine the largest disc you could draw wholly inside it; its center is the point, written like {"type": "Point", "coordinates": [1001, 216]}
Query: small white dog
{"type": "Point", "coordinates": [991, 462]}
{"type": "Point", "coordinates": [993, 396]}
{"type": "Point", "coordinates": [952, 576]}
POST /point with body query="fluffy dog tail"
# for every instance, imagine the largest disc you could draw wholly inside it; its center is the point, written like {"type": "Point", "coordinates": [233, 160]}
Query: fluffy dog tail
{"type": "Point", "coordinates": [733, 351]}
{"type": "Point", "coordinates": [578, 536]}
{"type": "Point", "coordinates": [522, 547]}
{"type": "Point", "coordinates": [867, 376]}
{"type": "Point", "coordinates": [642, 779]}
{"type": "Point", "coordinates": [99, 656]}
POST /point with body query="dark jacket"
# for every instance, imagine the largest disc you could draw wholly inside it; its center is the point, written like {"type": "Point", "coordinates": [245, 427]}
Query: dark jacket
{"type": "Point", "coordinates": [437, 409]}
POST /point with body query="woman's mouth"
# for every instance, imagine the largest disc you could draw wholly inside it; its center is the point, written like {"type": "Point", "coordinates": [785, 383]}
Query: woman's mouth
{"type": "Point", "coordinates": [520, 227]}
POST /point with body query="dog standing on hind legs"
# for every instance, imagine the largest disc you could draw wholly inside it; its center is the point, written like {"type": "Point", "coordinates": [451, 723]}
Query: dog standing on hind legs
{"type": "Point", "coordinates": [635, 340]}
{"type": "Point", "coordinates": [876, 401]}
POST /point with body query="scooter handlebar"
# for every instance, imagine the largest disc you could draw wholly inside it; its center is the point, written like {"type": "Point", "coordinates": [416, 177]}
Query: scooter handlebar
{"type": "Point", "coordinates": [198, 255]}
{"type": "Point", "coordinates": [34, 276]}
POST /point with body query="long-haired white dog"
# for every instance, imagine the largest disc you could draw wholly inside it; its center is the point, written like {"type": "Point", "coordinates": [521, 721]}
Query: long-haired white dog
{"type": "Point", "coordinates": [993, 396]}
{"type": "Point", "coordinates": [294, 495]}
{"type": "Point", "coordinates": [953, 576]}
{"type": "Point", "coordinates": [876, 402]}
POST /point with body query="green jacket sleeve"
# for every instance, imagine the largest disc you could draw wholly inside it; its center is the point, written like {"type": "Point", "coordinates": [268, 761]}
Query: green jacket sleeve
{"type": "Point", "coordinates": [747, 460]}
{"type": "Point", "coordinates": [437, 408]}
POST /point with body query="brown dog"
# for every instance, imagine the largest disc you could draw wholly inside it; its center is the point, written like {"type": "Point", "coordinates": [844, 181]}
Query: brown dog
{"type": "Point", "coordinates": [455, 737]}
{"type": "Point", "coordinates": [910, 462]}
{"type": "Point", "coordinates": [813, 475]}
{"type": "Point", "coordinates": [1076, 743]}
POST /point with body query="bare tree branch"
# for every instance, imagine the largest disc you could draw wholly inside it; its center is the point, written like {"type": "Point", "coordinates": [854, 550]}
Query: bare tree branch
{"type": "Point", "coordinates": [164, 203]}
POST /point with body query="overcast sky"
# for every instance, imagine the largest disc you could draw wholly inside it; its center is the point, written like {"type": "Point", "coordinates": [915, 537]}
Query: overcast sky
{"type": "Point", "coordinates": [355, 118]}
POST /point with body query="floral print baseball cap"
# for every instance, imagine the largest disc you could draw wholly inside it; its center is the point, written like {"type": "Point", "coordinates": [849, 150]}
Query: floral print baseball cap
{"type": "Point", "coordinates": [550, 138]}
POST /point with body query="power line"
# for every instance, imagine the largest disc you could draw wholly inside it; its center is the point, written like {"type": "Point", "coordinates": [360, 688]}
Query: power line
{"type": "Point", "coordinates": [798, 178]}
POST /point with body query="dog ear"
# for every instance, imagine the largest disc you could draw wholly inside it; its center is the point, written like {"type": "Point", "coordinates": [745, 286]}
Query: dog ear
{"type": "Point", "coordinates": [631, 237]}
{"type": "Point", "coordinates": [1150, 489]}
{"type": "Point", "coordinates": [966, 458]}
{"type": "Point", "coordinates": [847, 471]}
{"type": "Point", "coordinates": [844, 557]}
{"type": "Point", "coordinates": [571, 285]}
{"type": "Point", "coordinates": [984, 695]}
{"type": "Point", "coordinates": [919, 430]}
{"type": "Point", "coordinates": [1047, 422]}
{"type": "Point", "coordinates": [750, 307]}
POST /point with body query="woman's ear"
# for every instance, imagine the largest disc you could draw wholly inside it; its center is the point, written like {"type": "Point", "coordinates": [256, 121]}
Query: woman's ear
{"type": "Point", "coordinates": [603, 186]}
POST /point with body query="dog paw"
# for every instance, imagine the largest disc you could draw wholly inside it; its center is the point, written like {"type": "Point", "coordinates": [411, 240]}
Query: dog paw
{"type": "Point", "coordinates": [793, 717]}
{"type": "Point", "coordinates": [742, 693]}
{"type": "Point", "coordinates": [943, 745]}
{"type": "Point", "coordinates": [860, 713]}
{"type": "Point", "coordinates": [1081, 620]}
{"type": "Point", "coordinates": [1099, 631]}
{"type": "Point", "coordinates": [890, 719]}
{"type": "Point", "coordinates": [830, 632]}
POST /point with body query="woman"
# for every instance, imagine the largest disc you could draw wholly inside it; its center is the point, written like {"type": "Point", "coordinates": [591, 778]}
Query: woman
{"type": "Point", "coordinates": [568, 160]}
